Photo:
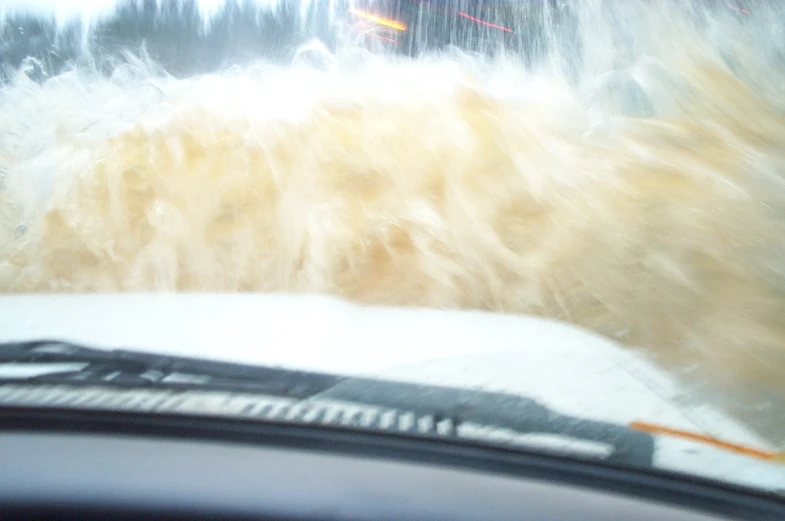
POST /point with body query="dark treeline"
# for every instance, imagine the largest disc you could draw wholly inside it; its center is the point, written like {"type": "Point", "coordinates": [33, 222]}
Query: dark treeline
{"type": "Point", "coordinates": [173, 34]}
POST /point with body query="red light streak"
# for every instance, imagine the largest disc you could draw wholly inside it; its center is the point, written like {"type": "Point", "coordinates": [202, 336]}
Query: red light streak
{"type": "Point", "coordinates": [383, 38]}
{"type": "Point", "coordinates": [485, 23]}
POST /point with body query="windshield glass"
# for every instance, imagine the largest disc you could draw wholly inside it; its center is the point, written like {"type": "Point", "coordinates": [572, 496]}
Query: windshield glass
{"type": "Point", "coordinates": [617, 166]}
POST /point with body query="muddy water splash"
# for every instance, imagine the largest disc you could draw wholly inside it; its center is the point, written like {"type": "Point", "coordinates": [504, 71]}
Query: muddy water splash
{"type": "Point", "coordinates": [630, 179]}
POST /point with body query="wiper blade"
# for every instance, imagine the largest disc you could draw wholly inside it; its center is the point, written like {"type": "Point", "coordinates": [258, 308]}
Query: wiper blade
{"type": "Point", "coordinates": [133, 369]}
{"type": "Point", "coordinates": [126, 368]}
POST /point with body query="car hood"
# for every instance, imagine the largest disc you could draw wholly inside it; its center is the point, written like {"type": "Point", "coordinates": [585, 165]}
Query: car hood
{"type": "Point", "coordinates": [566, 368]}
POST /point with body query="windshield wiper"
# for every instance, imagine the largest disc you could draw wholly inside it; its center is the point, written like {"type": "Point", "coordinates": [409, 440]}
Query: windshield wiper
{"type": "Point", "coordinates": [58, 363]}
{"type": "Point", "coordinates": [54, 362]}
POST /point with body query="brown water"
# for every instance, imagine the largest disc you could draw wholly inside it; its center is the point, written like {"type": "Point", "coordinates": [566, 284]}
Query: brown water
{"type": "Point", "coordinates": [644, 201]}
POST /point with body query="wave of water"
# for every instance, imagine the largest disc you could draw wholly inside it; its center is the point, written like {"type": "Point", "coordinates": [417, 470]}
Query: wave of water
{"type": "Point", "coordinates": [629, 179]}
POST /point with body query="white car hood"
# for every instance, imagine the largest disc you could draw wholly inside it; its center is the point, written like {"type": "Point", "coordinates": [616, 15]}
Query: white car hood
{"type": "Point", "coordinates": [568, 369]}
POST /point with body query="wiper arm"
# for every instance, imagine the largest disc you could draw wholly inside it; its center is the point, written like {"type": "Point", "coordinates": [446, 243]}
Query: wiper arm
{"type": "Point", "coordinates": [505, 411]}
{"type": "Point", "coordinates": [132, 369]}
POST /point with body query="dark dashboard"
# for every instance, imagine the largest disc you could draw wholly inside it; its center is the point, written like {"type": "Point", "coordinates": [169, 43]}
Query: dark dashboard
{"type": "Point", "coordinates": [64, 465]}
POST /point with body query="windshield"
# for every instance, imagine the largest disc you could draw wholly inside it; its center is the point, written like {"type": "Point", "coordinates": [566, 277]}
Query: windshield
{"type": "Point", "coordinates": [617, 166]}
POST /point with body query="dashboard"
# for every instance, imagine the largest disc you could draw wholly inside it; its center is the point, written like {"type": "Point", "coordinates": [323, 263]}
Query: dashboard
{"type": "Point", "coordinates": [63, 467]}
